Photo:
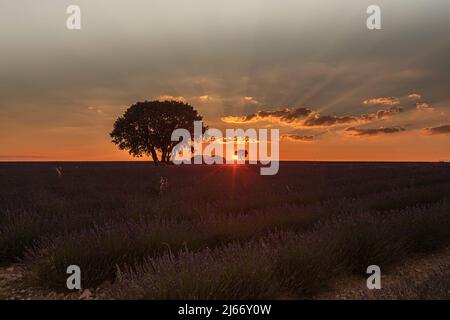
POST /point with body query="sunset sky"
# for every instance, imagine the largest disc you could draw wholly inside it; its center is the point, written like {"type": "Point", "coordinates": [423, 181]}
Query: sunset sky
{"type": "Point", "coordinates": [336, 90]}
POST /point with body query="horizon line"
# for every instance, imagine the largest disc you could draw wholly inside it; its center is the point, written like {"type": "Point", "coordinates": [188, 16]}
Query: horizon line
{"type": "Point", "coordinates": [281, 161]}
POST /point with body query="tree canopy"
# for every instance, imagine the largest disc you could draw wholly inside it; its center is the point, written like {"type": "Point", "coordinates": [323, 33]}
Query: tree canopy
{"type": "Point", "coordinates": [145, 129]}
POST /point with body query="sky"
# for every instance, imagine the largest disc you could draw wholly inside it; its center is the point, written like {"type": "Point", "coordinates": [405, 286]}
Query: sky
{"type": "Point", "coordinates": [336, 90]}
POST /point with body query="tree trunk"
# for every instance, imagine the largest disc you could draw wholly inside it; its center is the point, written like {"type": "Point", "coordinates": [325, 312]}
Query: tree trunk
{"type": "Point", "coordinates": [154, 156]}
{"type": "Point", "coordinates": [163, 155]}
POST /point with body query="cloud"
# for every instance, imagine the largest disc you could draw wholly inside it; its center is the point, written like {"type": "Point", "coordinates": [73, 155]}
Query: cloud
{"type": "Point", "coordinates": [281, 115]}
{"type": "Point", "coordinates": [95, 109]}
{"type": "Point", "coordinates": [204, 98]}
{"type": "Point", "coordinates": [318, 120]}
{"type": "Point", "coordinates": [234, 119]}
{"type": "Point", "coordinates": [423, 106]}
{"type": "Point", "coordinates": [296, 138]}
{"type": "Point", "coordinates": [386, 101]}
{"type": "Point", "coordinates": [372, 132]}
{"type": "Point", "coordinates": [235, 140]}
{"type": "Point", "coordinates": [414, 96]}
{"type": "Point", "coordinates": [251, 100]}
{"type": "Point", "coordinates": [174, 98]}
{"type": "Point", "coordinates": [305, 117]}
{"type": "Point", "coordinates": [382, 114]}
{"type": "Point", "coordinates": [444, 129]}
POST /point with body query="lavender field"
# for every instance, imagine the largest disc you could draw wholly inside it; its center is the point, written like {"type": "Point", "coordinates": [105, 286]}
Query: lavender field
{"type": "Point", "coordinates": [224, 232]}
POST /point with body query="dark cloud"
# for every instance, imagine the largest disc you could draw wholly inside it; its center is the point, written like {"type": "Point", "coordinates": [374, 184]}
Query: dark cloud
{"type": "Point", "coordinates": [298, 113]}
{"type": "Point", "coordinates": [305, 117]}
{"type": "Point", "coordinates": [372, 132]}
{"type": "Point", "coordinates": [298, 116]}
{"type": "Point", "coordinates": [444, 129]}
{"type": "Point", "coordinates": [275, 114]}
{"type": "Point", "coordinates": [318, 120]}
{"type": "Point", "coordinates": [282, 115]}
{"type": "Point", "coordinates": [302, 116]}
{"type": "Point", "coordinates": [297, 138]}
{"type": "Point", "coordinates": [382, 114]}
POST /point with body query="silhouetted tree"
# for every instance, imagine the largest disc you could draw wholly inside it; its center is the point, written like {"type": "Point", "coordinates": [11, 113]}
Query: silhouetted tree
{"type": "Point", "coordinates": [146, 128]}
